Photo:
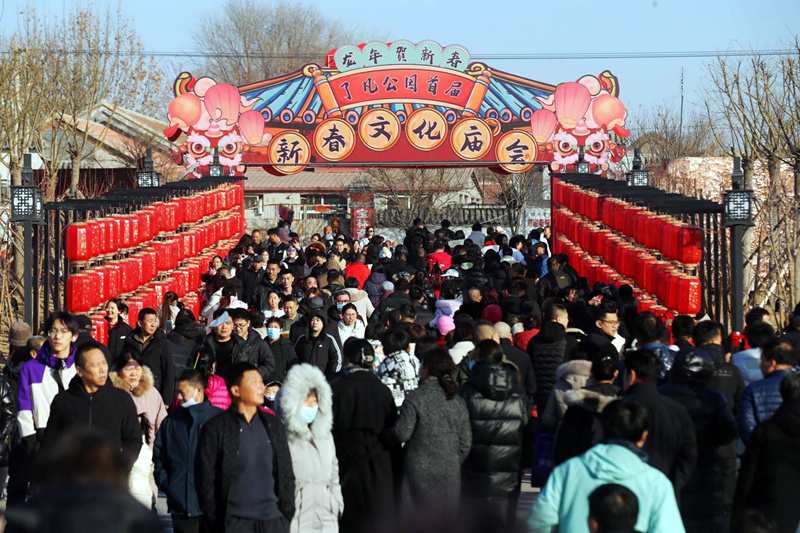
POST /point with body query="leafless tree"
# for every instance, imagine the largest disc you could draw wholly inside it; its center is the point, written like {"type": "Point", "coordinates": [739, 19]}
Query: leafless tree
{"type": "Point", "coordinates": [100, 59]}
{"type": "Point", "coordinates": [754, 105]}
{"type": "Point", "coordinates": [252, 40]}
{"type": "Point", "coordinates": [517, 192]}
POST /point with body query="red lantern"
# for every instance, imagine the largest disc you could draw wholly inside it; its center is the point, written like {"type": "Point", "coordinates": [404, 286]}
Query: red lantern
{"type": "Point", "coordinates": [99, 328]}
{"type": "Point", "coordinates": [134, 306]}
{"type": "Point", "coordinates": [79, 242]}
{"type": "Point", "coordinates": [79, 286]}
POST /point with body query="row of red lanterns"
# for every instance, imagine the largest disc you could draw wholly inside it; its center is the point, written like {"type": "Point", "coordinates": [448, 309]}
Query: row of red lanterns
{"type": "Point", "coordinates": [675, 289]}
{"type": "Point", "coordinates": [674, 239]}
{"type": "Point", "coordinates": [93, 287]}
{"type": "Point", "coordinates": [184, 281]}
{"type": "Point", "coordinates": [89, 240]}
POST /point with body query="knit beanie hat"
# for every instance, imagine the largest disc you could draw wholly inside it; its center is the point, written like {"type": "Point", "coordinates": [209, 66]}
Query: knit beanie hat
{"type": "Point", "coordinates": [19, 334]}
{"type": "Point", "coordinates": [493, 313]}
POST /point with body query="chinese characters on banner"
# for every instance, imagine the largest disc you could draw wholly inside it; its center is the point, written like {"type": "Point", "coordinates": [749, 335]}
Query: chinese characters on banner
{"type": "Point", "coordinates": [360, 219]}
{"type": "Point", "coordinates": [397, 104]}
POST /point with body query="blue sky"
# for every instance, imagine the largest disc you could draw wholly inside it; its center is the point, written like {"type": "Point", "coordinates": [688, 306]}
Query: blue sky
{"type": "Point", "coordinates": [517, 26]}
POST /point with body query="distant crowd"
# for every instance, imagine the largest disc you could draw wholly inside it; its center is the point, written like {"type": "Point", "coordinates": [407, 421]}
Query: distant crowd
{"type": "Point", "coordinates": [361, 385]}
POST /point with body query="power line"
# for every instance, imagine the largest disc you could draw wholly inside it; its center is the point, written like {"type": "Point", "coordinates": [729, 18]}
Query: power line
{"type": "Point", "coordinates": [505, 57]}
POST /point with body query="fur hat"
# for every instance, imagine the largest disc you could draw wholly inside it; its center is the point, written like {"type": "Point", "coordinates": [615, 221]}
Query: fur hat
{"type": "Point", "coordinates": [19, 334]}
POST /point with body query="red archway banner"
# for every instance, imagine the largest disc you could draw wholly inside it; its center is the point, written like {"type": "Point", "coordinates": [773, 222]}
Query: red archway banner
{"type": "Point", "coordinates": [397, 104]}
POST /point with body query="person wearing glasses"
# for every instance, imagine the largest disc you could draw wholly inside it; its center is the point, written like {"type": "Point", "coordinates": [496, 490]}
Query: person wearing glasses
{"type": "Point", "coordinates": [602, 339]}
{"type": "Point", "coordinates": [41, 379]}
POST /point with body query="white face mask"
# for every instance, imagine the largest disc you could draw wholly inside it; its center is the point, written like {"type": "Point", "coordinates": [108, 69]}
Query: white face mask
{"type": "Point", "coordinates": [191, 402]}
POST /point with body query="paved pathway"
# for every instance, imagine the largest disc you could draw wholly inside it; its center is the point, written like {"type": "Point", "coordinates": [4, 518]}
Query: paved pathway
{"type": "Point", "coordinates": [526, 499]}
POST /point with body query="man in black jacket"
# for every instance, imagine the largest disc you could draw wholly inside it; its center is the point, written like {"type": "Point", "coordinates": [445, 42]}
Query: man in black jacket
{"type": "Point", "coordinates": [258, 346]}
{"type": "Point", "coordinates": [245, 480]}
{"type": "Point", "coordinates": [229, 348]}
{"type": "Point", "coordinates": [671, 443]}
{"type": "Point", "coordinates": [91, 401]}
{"type": "Point", "coordinates": [175, 451]}
{"type": "Point", "coordinates": [268, 282]}
{"type": "Point", "coordinates": [152, 344]}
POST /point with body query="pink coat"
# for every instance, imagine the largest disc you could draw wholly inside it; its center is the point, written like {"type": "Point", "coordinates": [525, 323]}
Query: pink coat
{"type": "Point", "coordinates": [217, 392]}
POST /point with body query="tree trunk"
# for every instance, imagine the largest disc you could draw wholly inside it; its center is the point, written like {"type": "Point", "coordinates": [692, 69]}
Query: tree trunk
{"type": "Point", "coordinates": [75, 176]}
{"type": "Point", "coordinates": [17, 244]}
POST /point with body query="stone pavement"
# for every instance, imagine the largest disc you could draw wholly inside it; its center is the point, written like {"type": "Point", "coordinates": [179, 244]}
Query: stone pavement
{"type": "Point", "coordinates": [526, 499]}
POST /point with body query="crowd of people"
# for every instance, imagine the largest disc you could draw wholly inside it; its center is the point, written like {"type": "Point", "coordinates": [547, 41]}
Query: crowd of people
{"type": "Point", "coordinates": [363, 385]}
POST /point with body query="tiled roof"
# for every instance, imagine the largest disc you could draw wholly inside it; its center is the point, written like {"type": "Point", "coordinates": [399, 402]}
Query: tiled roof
{"type": "Point", "coordinates": [261, 180]}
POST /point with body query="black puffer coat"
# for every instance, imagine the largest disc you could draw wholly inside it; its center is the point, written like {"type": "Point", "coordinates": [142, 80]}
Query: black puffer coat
{"type": "Point", "coordinates": [189, 336]}
{"type": "Point", "coordinates": [769, 479]}
{"type": "Point", "coordinates": [701, 502]}
{"type": "Point", "coordinates": [285, 357]}
{"type": "Point", "coordinates": [497, 416]}
{"type": "Point", "coordinates": [242, 352]}
{"type": "Point", "coordinates": [547, 350]}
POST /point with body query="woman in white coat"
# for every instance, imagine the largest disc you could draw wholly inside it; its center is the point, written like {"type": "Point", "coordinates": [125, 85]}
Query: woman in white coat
{"type": "Point", "coordinates": [305, 404]}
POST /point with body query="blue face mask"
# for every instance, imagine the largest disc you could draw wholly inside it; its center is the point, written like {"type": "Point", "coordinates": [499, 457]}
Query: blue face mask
{"type": "Point", "coordinates": [340, 305]}
{"type": "Point", "coordinates": [189, 403]}
{"type": "Point", "coordinates": [308, 414]}
{"type": "Point", "coordinates": [273, 333]}
{"type": "Point", "coordinates": [471, 363]}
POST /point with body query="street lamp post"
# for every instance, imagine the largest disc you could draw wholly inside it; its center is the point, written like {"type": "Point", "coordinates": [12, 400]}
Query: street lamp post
{"type": "Point", "coordinates": [27, 210]}
{"type": "Point", "coordinates": [738, 216]}
{"type": "Point", "coordinates": [148, 177]}
{"type": "Point", "coordinates": [582, 167]}
{"type": "Point", "coordinates": [638, 176]}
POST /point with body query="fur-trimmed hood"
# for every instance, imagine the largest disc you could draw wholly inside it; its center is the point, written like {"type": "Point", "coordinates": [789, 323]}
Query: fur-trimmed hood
{"type": "Point", "coordinates": [591, 401]}
{"type": "Point", "coordinates": [145, 384]}
{"type": "Point", "coordinates": [299, 382]}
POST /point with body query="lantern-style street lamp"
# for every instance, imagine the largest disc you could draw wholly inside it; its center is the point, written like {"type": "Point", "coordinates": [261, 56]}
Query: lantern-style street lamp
{"type": "Point", "coordinates": [582, 167]}
{"type": "Point", "coordinates": [27, 209]}
{"type": "Point", "coordinates": [148, 177]}
{"type": "Point", "coordinates": [638, 176]}
{"type": "Point", "coordinates": [738, 216]}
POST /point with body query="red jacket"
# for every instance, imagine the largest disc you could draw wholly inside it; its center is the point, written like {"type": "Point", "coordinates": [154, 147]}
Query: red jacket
{"type": "Point", "coordinates": [360, 271]}
{"type": "Point", "coordinates": [443, 258]}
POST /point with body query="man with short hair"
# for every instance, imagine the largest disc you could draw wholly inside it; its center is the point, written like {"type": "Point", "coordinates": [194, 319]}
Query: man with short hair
{"type": "Point", "coordinates": [230, 348]}
{"type": "Point", "coordinates": [40, 380]}
{"type": "Point", "coordinates": [91, 401]}
{"type": "Point", "coordinates": [613, 508]}
{"type": "Point", "coordinates": [150, 341]}
{"type": "Point", "coordinates": [260, 352]}
{"type": "Point", "coordinates": [606, 330]}
{"type": "Point", "coordinates": [477, 237]}
{"type": "Point", "coordinates": [175, 451]}
{"type": "Point", "coordinates": [258, 242]}
{"type": "Point", "coordinates": [269, 282]}
{"type": "Point", "coordinates": [440, 256]}
{"type": "Point", "coordinates": [672, 444]}
{"type": "Point", "coordinates": [563, 503]}
{"type": "Point", "coordinates": [245, 481]}
{"type": "Point", "coordinates": [291, 310]}
{"type": "Point", "coordinates": [276, 248]}
{"type": "Point", "coordinates": [762, 398]}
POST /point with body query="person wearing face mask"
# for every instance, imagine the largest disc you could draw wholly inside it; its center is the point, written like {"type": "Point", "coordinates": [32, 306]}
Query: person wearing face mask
{"type": "Point", "coordinates": [135, 378]}
{"type": "Point", "coordinates": [175, 450]}
{"type": "Point", "coordinates": [271, 394]}
{"type": "Point", "coordinates": [306, 407]}
{"type": "Point", "coordinates": [282, 350]}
